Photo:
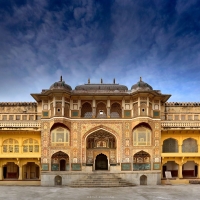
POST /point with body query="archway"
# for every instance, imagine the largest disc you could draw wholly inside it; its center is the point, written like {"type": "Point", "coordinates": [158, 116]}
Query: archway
{"type": "Point", "coordinates": [58, 180]}
{"type": "Point", "coordinates": [10, 171]}
{"type": "Point", "coordinates": [143, 180]}
{"type": "Point", "coordinates": [31, 171]}
{"type": "Point", "coordinates": [101, 162]}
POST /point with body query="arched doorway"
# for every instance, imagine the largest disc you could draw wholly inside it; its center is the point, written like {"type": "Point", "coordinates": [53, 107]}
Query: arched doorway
{"type": "Point", "coordinates": [101, 162]}
{"type": "Point", "coordinates": [143, 180]}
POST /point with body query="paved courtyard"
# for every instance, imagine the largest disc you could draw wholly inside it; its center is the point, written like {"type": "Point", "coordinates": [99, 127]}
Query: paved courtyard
{"type": "Point", "coordinates": [175, 192]}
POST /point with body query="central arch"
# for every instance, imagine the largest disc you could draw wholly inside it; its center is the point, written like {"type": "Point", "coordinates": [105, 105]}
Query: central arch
{"type": "Point", "coordinates": [101, 162]}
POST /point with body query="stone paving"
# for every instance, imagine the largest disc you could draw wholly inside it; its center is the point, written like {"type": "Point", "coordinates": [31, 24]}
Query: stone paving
{"type": "Point", "coordinates": [158, 192]}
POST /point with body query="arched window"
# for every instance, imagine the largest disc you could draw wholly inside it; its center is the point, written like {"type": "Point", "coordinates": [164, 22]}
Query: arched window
{"type": "Point", "coordinates": [115, 111]}
{"type": "Point", "coordinates": [142, 136]}
{"type": "Point", "coordinates": [60, 135]}
{"type": "Point", "coordinates": [170, 146]}
{"type": "Point", "coordinates": [11, 146]}
{"type": "Point", "coordinates": [86, 110]}
{"type": "Point", "coordinates": [30, 145]}
{"type": "Point", "coordinates": [190, 146]}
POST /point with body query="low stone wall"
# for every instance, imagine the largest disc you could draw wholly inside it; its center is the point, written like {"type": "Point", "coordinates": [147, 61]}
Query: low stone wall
{"type": "Point", "coordinates": [48, 178]}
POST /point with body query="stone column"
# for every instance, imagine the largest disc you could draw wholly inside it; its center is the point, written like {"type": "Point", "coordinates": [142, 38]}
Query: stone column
{"type": "Point", "coordinates": [180, 175]}
{"type": "Point", "coordinates": [180, 148]}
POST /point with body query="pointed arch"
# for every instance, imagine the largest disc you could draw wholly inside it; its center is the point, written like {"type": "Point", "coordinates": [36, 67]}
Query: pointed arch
{"type": "Point", "coordinates": [170, 145]}
{"type": "Point", "coordinates": [86, 110]}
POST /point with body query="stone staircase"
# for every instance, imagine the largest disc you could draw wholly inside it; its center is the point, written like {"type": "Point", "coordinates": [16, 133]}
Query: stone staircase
{"type": "Point", "coordinates": [101, 180]}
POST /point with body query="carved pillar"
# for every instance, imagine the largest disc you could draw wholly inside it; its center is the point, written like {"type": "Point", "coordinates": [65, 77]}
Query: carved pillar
{"type": "Point", "coordinates": [180, 148]}
{"type": "Point", "coordinates": [180, 173]}
{"type": "Point", "coordinates": [93, 108]}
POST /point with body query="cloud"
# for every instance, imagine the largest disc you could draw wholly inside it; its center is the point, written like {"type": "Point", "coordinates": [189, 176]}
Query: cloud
{"type": "Point", "coordinates": [41, 40]}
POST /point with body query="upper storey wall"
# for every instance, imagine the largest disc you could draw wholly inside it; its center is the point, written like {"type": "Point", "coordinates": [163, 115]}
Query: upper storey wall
{"type": "Point", "coordinates": [180, 111]}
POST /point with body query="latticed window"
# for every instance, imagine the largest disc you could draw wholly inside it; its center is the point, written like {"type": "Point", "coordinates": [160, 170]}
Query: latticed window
{"type": "Point", "coordinates": [86, 110]}
{"type": "Point", "coordinates": [142, 136]}
{"type": "Point", "coordinates": [30, 145]}
{"type": "Point", "coordinates": [11, 146]}
{"type": "Point", "coordinates": [170, 146]}
{"type": "Point", "coordinates": [101, 110]}
{"type": "Point", "coordinates": [190, 146]}
{"type": "Point", "coordinates": [115, 111]}
{"type": "Point", "coordinates": [60, 135]}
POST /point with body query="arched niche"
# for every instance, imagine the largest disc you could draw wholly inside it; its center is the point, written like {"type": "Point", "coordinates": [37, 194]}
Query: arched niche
{"type": "Point", "coordinates": [143, 180]}
{"type": "Point", "coordinates": [58, 180]}
{"type": "Point", "coordinates": [115, 110]}
{"type": "Point", "coordinates": [141, 161]}
{"type": "Point", "coordinates": [60, 161]}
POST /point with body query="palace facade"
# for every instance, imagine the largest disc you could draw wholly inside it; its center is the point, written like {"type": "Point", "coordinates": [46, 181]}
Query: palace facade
{"type": "Point", "coordinates": [135, 134]}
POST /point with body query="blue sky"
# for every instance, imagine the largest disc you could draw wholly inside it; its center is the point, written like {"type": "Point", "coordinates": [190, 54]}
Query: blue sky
{"type": "Point", "coordinates": [158, 40]}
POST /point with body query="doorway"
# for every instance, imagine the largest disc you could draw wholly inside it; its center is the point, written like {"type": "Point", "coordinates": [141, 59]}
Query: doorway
{"type": "Point", "coordinates": [143, 180]}
{"type": "Point", "coordinates": [101, 162]}
{"type": "Point", "coordinates": [62, 165]}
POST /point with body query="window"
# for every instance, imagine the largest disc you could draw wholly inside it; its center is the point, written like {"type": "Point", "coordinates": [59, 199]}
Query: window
{"type": "Point", "coordinates": [60, 135]}
{"type": "Point", "coordinates": [182, 117]}
{"type": "Point", "coordinates": [11, 117]}
{"type": "Point", "coordinates": [189, 117]}
{"type": "Point", "coordinates": [142, 136]}
{"type": "Point", "coordinates": [17, 117]}
{"type": "Point", "coordinates": [196, 117]}
{"type": "Point", "coordinates": [176, 117]}
{"type": "Point", "coordinates": [4, 117]}
{"type": "Point", "coordinates": [31, 117]}
{"type": "Point", "coordinates": [11, 146]}
{"type": "Point", "coordinates": [30, 145]}
{"type": "Point", "coordinates": [169, 117]}
{"type": "Point", "coordinates": [24, 117]}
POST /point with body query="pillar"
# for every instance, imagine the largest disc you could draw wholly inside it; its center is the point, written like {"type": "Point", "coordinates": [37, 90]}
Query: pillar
{"type": "Point", "coordinates": [20, 173]}
{"type": "Point", "coordinates": [180, 148]}
{"type": "Point", "coordinates": [1, 173]}
{"type": "Point", "coordinates": [198, 175]}
{"type": "Point", "coordinates": [180, 175]}
{"type": "Point", "coordinates": [63, 106]}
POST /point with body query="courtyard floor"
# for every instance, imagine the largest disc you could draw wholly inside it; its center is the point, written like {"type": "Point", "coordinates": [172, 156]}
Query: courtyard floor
{"type": "Point", "coordinates": [158, 192]}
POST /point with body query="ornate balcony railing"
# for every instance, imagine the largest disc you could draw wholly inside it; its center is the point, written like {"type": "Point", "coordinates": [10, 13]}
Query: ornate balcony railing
{"type": "Point", "coordinates": [180, 124]}
{"type": "Point", "coordinates": [22, 124]}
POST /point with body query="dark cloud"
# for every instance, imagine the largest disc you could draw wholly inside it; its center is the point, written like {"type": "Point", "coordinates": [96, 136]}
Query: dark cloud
{"type": "Point", "coordinates": [155, 39]}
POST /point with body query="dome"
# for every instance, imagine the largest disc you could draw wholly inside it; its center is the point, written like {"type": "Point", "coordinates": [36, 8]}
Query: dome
{"type": "Point", "coordinates": [101, 86]}
{"type": "Point", "coordinates": [60, 85]}
{"type": "Point", "coordinates": [140, 85]}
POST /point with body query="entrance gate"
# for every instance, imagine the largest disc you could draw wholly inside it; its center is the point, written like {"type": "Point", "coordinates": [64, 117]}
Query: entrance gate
{"type": "Point", "coordinates": [101, 162]}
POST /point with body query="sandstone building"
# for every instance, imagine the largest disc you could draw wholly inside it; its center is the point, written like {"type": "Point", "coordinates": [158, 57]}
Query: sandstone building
{"type": "Point", "coordinates": [135, 134]}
